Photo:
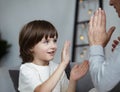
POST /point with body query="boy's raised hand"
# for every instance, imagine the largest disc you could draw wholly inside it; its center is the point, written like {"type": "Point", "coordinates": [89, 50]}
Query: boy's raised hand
{"type": "Point", "coordinates": [79, 71]}
{"type": "Point", "coordinates": [65, 55]}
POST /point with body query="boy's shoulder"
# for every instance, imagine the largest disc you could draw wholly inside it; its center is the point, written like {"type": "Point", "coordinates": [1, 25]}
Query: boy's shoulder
{"type": "Point", "coordinates": [26, 66]}
{"type": "Point", "coordinates": [31, 66]}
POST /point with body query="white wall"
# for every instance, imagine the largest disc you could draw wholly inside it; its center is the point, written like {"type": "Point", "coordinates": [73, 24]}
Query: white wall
{"type": "Point", "coordinates": [15, 13]}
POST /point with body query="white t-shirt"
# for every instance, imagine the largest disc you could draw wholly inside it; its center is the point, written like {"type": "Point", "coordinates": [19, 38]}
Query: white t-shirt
{"type": "Point", "coordinates": [32, 75]}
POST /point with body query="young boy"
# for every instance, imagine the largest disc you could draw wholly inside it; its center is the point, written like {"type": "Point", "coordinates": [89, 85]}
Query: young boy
{"type": "Point", "coordinates": [37, 41]}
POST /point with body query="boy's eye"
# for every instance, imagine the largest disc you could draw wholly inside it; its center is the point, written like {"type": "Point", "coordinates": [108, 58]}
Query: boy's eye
{"type": "Point", "coordinates": [55, 40]}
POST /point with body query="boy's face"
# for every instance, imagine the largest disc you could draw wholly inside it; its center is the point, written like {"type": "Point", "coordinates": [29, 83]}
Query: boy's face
{"type": "Point", "coordinates": [44, 51]}
{"type": "Point", "coordinates": [116, 5]}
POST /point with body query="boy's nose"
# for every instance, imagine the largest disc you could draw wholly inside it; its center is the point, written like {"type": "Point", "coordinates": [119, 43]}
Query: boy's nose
{"type": "Point", "coordinates": [54, 45]}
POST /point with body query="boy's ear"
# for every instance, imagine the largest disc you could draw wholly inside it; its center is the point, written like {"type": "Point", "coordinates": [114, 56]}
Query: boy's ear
{"type": "Point", "coordinates": [31, 50]}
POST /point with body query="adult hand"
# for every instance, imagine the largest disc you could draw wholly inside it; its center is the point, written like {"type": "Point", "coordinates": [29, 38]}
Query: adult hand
{"type": "Point", "coordinates": [79, 71]}
{"type": "Point", "coordinates": [97, 29]}
{"type": "Point", "coordinates": [115, 43]}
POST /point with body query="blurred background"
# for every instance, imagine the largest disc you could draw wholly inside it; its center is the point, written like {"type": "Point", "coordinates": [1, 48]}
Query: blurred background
{"type": "Point", "coordinates": [61, 13]}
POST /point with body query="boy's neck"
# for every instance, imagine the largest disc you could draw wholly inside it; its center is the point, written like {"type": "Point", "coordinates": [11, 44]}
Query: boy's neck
{"type": "Point", "coordinates": [44, 63]}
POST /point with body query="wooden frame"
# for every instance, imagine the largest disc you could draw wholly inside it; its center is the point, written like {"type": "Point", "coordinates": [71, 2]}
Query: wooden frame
{"type": "Point", "coordinates": [80, 40]}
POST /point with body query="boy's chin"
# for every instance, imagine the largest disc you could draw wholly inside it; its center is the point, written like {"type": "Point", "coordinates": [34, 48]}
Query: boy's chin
{"type": "Point", "coordinates": [50, 59]}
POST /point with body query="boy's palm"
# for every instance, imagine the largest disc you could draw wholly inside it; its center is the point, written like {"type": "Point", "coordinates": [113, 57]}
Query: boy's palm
{"type": "Point", "coordinates": [65, 53]}
{"type": "Point", "coordinates": [79, 71]}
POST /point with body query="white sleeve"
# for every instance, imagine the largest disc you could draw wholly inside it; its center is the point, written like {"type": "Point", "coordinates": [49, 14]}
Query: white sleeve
{"type": "Point", "coordinates": [64, 83]}
{"type": "Point", "coordinates": [28, 79]}
{"type": "Point", "coordinates": [103, 72]}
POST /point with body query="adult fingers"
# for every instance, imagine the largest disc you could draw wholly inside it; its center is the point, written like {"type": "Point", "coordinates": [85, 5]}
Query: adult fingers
{"type": "Point", "coordinates": [103, 20]}
{"type": "Point", "coordinates": [100, 16]}
{"type": "Point", "coordinates": [110, 32]}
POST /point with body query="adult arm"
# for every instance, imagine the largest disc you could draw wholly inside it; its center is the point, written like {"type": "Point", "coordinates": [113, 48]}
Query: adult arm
{"type": "Point", "coordinates": [105, 73]}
